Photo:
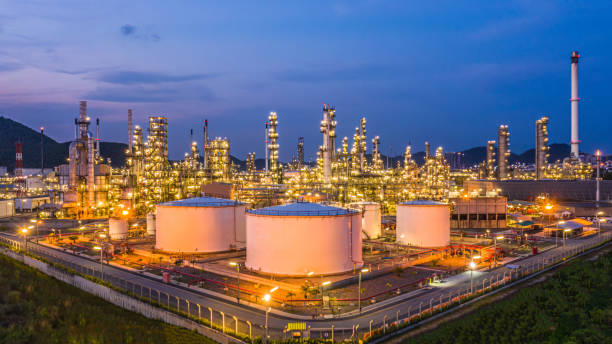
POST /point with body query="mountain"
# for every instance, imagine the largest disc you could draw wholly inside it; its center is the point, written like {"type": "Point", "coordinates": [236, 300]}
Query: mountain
{"type": "Point", "coordinates": [55, 153]}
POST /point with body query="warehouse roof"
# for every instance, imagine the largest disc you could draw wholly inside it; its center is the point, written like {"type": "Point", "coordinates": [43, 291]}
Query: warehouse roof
{"type": "Point", "coordinates": [201, 202]}
{"type": "Point", "coordinates": [302, 209]}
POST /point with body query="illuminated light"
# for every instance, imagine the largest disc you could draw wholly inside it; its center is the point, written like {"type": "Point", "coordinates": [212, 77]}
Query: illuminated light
{"type": "Point", "coordinates": [274, 289]}
{"type": "Point", "coordinates": [365, 270]}
{"type": "Point", "coordinates": [326, 283]}
{"type": "Point", "coordinates": [266, 297]}
{"type": "Point", "coordinates": [476, 257]}
{"type": "Point", "coordinates": [233, 263]}
{"type": "Point", "coordinates": [97, 248]}
{"type": "Point", "coordinates": [125, 212]}
{"type": "Point", "coordinates": [501, 237]}
{"type": "Point", "coordinates": [472, 265]}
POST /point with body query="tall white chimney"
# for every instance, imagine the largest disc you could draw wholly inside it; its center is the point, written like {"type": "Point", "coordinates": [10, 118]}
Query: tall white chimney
{"type": "Point", "coordinates": [575, 152]}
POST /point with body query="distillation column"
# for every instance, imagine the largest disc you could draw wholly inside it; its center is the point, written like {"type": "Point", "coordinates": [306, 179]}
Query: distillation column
{"type": "Point", "coordinates": [541, 158]}
{"type": "Point", "coordinates": [503, 151]}
{"type": "Point", "coordinates": [328, 129]}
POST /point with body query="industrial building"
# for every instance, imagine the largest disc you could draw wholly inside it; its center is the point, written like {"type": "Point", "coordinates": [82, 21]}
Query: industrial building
{"type": "Point", "coordinates": [581, 190]}
{"type": "Point", "coordinates": [479, 212]}
{"type": "Point", "coordinates": [200, 225]}
{"type": "Point", "coordinates": [423, 223]}
{"type": "Point", "coordinates": [300, 238]}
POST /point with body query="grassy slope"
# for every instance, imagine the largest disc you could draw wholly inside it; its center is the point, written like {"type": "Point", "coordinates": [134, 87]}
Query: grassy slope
{"type": "Point", "coordinates": [35, 308]}
{"type": "Point", "coordinates": [575, 306]}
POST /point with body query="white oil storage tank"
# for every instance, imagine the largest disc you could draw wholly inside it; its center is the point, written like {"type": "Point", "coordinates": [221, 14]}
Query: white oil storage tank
{"type": "Point", "coordinates": [423, 223]}
{"type": "Point", "coordinates": [200, 224]}
{"type": "Point", "coordinates": [118, 228]}
{"type": "Point", "coordinates": [300, 238]}
{"type": "Point", "coordinates": [371, 218]}
{"type": "Point", "coordinates": [151, 224]}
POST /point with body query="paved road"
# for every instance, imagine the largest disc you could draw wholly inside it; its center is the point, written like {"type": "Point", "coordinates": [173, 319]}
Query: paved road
{"type": "Point", "coordinates": [377, 314]}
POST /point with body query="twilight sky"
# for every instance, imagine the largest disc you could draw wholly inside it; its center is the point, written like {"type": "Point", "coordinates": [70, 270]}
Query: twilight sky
{"type": "Point", "coordinates": [445, 71]}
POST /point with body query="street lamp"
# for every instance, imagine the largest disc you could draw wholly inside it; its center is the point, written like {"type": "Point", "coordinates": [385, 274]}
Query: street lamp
{"type": "Point", "coordinates": [267, 298]}
{"type": "Point", "coordinates": [599, 213]}
{"type": "Point", "coordinates": [557, 236]}
{"type": "Point", "coordinates": [237, 265]}
{"type": "Point", "coordinates": [472, 267]}
{"type": "Point", "coordinates": [565, 231]}
{"type": "Point", "coordinates": [359, 287]}
{"type": "Point", "coordinates": [499, 237]}
{"type": "Point", "coordinates": [99, 248]}
{"type": "Point", "coordinates": [25, 239]}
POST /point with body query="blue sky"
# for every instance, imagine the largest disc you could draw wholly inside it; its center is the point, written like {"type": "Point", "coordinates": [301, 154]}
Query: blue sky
{"type": "Point", "coordinates": [448, 72]}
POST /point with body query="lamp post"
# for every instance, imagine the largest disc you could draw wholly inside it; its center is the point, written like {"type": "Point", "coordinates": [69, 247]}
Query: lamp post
{"type": "Point", "coordinates": [565, 231]}
{"type": "Point", "coordinates": [599, 213]}
{"type": "Point", "coordinates": [237, 265]}
{"type": "Point", "coordinates": [267, 298]}
{"type": "Point", "coordinates": [25, 239]}
{"type": "Point", "coordinates": [557, 236]}
{"type": "Point", "coordinates": [359, 288]}
{"type": "Point", "coordinates": [500, 237]}
{"type": "Point", "coordinates": [99, 248]}
{"type": "Point", "coordinates": [472, 267]}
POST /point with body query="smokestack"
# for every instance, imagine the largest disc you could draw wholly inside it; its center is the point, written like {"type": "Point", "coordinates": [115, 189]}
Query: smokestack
{"type": "Point", "coordinates": [427, 150]}
{"type": "Point", "coordinates": [130, 132]}
{"type": "Point", "coordinates": [18, 159]}
{"type": "Point", "coordinates": [574, 103]}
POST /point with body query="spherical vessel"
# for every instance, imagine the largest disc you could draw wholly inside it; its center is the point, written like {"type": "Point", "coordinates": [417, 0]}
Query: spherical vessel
{"type": "Point", "coordinates": [370, 219]}
{"type": "Point", "coordinates": [118, 228]}
{"type": "Point", "coordinates": [201, 224]}
{"type": "Point", "coordinates": [298, 238]}
{"type": "Point", "coordinates": [423, 223]}
{"type": "Point", "coordinates": [150, 224]}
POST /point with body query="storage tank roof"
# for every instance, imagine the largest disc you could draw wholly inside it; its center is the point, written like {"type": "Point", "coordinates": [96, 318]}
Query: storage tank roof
{"type": "Point", "coordinates": [201, 202]}
{"type": "Point", "coordinates": [302, 209]}
{"type": "Point", "coordinates": [422, 202]}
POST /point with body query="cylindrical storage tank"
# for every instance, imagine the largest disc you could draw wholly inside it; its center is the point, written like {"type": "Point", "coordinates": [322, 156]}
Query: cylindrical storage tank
{"type": "Point", "coordinates": [370, 219]}
{"type": "Point", "coordinates": [298, 238]}
{"type": "Point", "coordinates": [151, 224]}
{"type": "Point", "coordinates": [118, 228]}
{"type": "Point", "coordinates": [200, 224]}
{"type": "Point", "coordinates": [423, 223]}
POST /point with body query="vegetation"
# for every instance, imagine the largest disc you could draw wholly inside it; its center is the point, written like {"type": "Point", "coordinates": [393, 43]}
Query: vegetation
{"type": "Point", "coordinates": [574, 306]}
{"type": "Point", "coordinates": [35, 308]}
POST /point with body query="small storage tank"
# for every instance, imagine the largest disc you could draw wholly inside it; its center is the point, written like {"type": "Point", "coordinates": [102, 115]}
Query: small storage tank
{"type": "Point", "coordinates": [370, 218]}
{"type": "Point", "coordinates": [298, 238]}
{"type": "Point", "coordinates": [151, 224]}
{"type": "Point", "coordinates": [200, 224]}
{"type": "Point", "coordinates": [118, 228]}
{"type": "Point", "coordinates": [423, 223]}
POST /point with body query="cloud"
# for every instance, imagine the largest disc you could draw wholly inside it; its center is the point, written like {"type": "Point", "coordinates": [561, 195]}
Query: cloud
{"type": "Point", "coordinates": [342, 73]}
{"type": "Point", "coordinates": [10, 66]}
{"type": "Point", "coordinates": [128, 29]}
{"type": "Point", "coordinates": [139, 94]}
{"type": "Point", "coordinates": [134, 78]}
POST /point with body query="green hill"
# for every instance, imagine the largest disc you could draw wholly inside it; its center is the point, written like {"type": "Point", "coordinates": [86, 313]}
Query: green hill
{"type": "Point", "coordinates": [56, 153]}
